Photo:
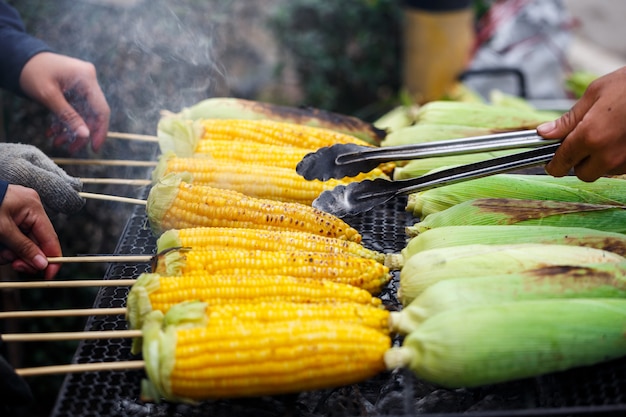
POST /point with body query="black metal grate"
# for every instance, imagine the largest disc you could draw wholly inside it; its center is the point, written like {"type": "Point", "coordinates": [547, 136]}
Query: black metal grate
{"type": "Point", "coordinates": [598, 390]}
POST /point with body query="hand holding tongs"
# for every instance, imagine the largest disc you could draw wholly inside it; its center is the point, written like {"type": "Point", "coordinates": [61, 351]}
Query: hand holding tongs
{"type": "Point", "coordinates": [342, 160]}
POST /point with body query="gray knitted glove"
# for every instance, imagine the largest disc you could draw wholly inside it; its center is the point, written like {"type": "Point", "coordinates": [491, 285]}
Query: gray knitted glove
{"type": "Point", "coordinates": [27, 166]}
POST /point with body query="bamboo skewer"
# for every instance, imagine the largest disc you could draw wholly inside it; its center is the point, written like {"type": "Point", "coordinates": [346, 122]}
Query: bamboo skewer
{"type": "Point", "coordinates": [109, 162]}
{"type": "Point", "coordinates": [132, 136]}
{"type": "Point", "coordinates": [62, 313]}
{"type": "Point", "coordinates": [81, 367]}
{"type": "Point", "coordinates": [67, 284]}
{"type": "Point", "coordinates": [113, 198]}
{"type": "Point", "coordinates": [115, 181]}
{"type": "Point", "coordinates": [64, 336]}
{"type": "Point", "coordinates": [100, 258]}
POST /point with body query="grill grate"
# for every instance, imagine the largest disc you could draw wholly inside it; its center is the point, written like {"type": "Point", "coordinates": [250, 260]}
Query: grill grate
{"type": "Point", "coordinates": [598, 390]}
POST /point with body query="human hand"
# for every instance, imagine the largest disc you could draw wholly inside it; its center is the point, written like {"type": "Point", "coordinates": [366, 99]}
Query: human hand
{"type": "Point", "coordinates": [69, 88]}
{"type": "Point", "coordinates": [14, 391]}
{"type": "Point", "coordinates": [27, 166]}
{"type": "Point", "coordinates": [27, 236]}
{"type": "Point", "coordinates": [593, 131]}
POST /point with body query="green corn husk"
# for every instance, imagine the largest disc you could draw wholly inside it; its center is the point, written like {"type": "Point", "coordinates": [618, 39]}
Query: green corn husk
{"type": "Point", "coordinates": [510, 211]}
{"type": "Point", "coordinates": [396, 119]}
{"type": "Point", "coordinates": [604, 280]}
{"type": "Point", "coordinates": [179, 137]}
{"type": "Point", "coordinates": [480, 345]}
{"type": "Point", "coordinates": [446, 236]}
{"type": "Point", "coordinates": [525, 187]}
{"type": "Point", "coordinates": [419, 167]}
{"type": "Point", "coordinates": [578, 81]}
{"type": "Point", "coordinates": [482, 115]}
{"type": "Point", "coordinates": [426, 268]}
{"type": "Point", "coordinates": [430, 132]}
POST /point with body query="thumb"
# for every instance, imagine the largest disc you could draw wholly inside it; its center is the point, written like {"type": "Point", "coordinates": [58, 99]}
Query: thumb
{"type": "Point", "coordinates": [561, 127]}
{"type": "Point", "coordinates": [70, 128]}
{"type": "Point", "coordinates": [25, 249]}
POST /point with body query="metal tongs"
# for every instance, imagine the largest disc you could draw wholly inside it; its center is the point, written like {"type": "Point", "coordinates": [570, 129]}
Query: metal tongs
{"type": "Point", "coordinates": [343, 160]}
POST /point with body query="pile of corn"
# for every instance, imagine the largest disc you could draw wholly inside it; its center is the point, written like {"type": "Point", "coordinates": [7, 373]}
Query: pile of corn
{"type": "Point", "coordinates": [509, 276]}
{"type": "Point", "coordinates": [253, 291]}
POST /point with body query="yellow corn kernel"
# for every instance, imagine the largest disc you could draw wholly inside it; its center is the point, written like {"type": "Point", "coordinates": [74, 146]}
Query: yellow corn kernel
{"type": "Point", "coordinates": [155, 292]}
{"type": "Point", "coordinates": [248, 359]}
{"type": "Point", "coordinates": [275, 133]}
{"type": "Point", "coordinates": [174, 203]}
{"type": "Point", "coordinates": [257, 239]}
{"type": "Point", "coordinates": [251, 152]}
{"type": "Point", "coordinates": [346, 269]}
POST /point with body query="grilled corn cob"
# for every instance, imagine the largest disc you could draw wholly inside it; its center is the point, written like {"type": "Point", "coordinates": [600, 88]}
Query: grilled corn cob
{"type": "Point", "coordinates": [191, 363]}
{"type": "Point", "coordinates": [182, 136]}
{"type": "Point", "coordinates": [604, 280]}
{"type": "Point", "coordinates": [155, 292]}
{"type": "Point", "coordinates": [428, 267]}
{"type": "Point", "coordinates": [236, 108]}
{"type": "Point", "coordinates": [509, 211]}
{"type": "Point", "coordinates": [347, 269]}
{"type": "Point", "coordinates": [263, 181]}
{"type": "Point", "coordinates": [174, 203]}
{"type": "Point", "coordinates": [446, 236]}
{"type": "Point", "coordinates": [479, 345]}
{"type": "Point", "coordinates": [257, 239]}
{"type": "Point", "coordinates": [526, 187]}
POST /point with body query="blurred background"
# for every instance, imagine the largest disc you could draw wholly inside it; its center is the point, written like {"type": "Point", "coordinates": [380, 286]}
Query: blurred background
{"type": "Point", "coordinates": [358, 57]}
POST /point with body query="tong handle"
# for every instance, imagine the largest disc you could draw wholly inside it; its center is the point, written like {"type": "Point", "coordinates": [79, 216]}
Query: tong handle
{"type": "Point", "coordinates": [343, 160]}
{"type": "Point", "coordinates": [359, 197]}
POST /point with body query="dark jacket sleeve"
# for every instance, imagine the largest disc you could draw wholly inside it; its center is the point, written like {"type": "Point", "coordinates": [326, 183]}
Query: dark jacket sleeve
{"type": "Point", "coordinates": [3, 190]}
{"type": "Point", "coordinates": [16, 48]}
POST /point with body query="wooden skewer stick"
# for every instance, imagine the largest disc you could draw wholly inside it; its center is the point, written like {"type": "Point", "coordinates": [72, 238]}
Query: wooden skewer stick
{"type": "Point", "coordinates": [114, 181]}
{"type": "Point", "coordinates": [67, 284]}
{"type": "Point", "coordinates": [62, 336]}
{"type": "Point", "coordinates": [81, 367]}
{"type": "Point", "coordinates": [25, 314]}
{"type": "Point", "coordinates": [109, 162]}
{"type": "Point", "coordinates": [100, 258]}
{"type": "Point", "coordinates": [113, 198]}
{"type": "Point", "coordinates": [132, 136]}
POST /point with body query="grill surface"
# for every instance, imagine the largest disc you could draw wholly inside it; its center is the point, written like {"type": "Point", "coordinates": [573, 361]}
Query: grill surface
{"type": "Point", "coordinates": [598, 390]}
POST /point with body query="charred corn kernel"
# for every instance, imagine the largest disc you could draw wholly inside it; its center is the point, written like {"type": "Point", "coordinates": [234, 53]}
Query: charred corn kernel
{"type": "Point", "coordinates": [526, 187]}
{"type": "Point", "coordinates": [510, 211]}
{"type": "Point", "coordinates": [479, 345]}
{"type": "Point", "coordinates": [174, 203]}
{"type": "Point", "coordinates": [346, 269]}
{"type": "Point", "coordinates": [275, 133]}
{"type": "Point", "coordinates": [481, 115]}
{"type": "Point", "coordinates": [155, 292]}
{"type": "Point", "coordinates": [229, 108]}
{"type": "Point", "coordinates": [263, 181]}
{"type": "Point", "coordinates": [187, 363]}
{"type": "Point", "coordinates": [257, 239]}
{"type": "Point", "coordinates": [447, 236]}
{"type": "Point", "coordinates": [426, 268]}
{"type": "Point", "coordinates": [603, 280]}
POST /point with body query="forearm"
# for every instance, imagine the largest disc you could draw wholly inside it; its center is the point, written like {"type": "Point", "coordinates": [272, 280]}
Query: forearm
{"type": "Point", "coordinates": [16, 48]}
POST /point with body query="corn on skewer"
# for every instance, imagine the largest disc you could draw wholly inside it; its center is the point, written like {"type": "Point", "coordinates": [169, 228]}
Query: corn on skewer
{"type": "Point", "coordinates": [604, 280]}
{"type": "Point", "coordinates": [174, 203]}
{"type": "Point", "coordinates": [256, 180]}
{"type": "Point", "coordinates": [182, 136]}
{"type": "Point", "coordinates": [251, 360]}
{"type": "Point", "coordinates": [480, 345]}
{"type": "Point", "coordinates": [342, 268]}
{"type": "Point", "coordinates": [447, 236]}
{"type": "Point", "coordinates": [426, 268]}
{"type": "Point", "coordinates": [155, 292]}
{"type": "Point", "coordinates": [258, 239]}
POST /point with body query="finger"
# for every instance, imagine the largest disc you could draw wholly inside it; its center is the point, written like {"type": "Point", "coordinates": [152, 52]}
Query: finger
{"type": "Point", "coordinates": [98, 122]}
{"type": "Point", "coordinates": [565, 158]}
{"type": "Point", "coordinates": [564, 125]}
{"type": "Point", "coordinates": [25, 249]}
{"type": "Point", "coordinates": [73, 128]}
